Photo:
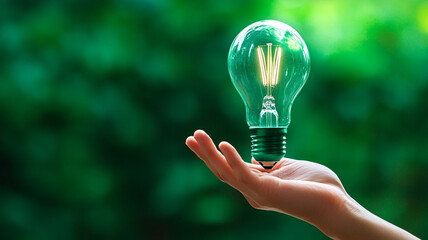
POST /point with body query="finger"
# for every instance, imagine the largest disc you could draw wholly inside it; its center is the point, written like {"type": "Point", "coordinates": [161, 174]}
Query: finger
{"type": "Point", "coordinates": [194, 146]}
{"type": "Point", "coordinates": [213, 157]}
{"type": "Point", "coordinates": [239, 167]}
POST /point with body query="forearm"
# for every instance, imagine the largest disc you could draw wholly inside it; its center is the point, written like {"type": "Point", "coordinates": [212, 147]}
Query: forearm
{"type": "Point", "coordinates": [355, 222]}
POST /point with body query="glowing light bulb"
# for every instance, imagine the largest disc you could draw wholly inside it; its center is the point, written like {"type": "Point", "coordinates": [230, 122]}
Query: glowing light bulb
{"type": "Point", "coordinates": [268, 63]}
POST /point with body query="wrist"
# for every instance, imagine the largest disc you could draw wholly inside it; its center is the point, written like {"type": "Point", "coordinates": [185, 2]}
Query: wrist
{"type": "Point", "coordinates": [352, 221]}
{"type": "Point", "coordinates": [342, 220]}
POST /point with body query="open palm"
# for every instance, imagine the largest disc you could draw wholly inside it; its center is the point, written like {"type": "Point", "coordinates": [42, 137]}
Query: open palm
{"type": "Point", "coordinates": [306, 190]}
{"type": "Point", "coordinates": [303, 189]}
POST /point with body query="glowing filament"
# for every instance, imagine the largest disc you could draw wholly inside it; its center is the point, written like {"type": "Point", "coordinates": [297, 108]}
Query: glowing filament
{"type": "Point", "coordinates": [269, 65]}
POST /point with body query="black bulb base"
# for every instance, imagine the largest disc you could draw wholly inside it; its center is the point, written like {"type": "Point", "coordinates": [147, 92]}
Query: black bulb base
{"type": "Point", "coordinates": [268, 145]}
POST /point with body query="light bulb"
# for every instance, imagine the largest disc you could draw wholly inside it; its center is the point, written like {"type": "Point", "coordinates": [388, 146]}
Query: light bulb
{"type": "Point", "coordinates": [268, 63]}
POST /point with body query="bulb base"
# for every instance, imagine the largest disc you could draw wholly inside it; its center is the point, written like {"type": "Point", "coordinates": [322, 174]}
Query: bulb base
{"type": "Point", "coordinates": [268, 145]}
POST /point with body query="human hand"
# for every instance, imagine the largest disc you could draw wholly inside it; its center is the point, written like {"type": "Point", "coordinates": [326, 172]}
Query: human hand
{"type": "Point", "coordinates": [306, 190]}
{"type": "Point", "coordinates": [303, 189]}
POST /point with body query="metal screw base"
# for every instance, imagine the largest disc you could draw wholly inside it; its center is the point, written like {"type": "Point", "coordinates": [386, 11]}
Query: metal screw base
{"type": "Point", "coordinates": [268, 145]}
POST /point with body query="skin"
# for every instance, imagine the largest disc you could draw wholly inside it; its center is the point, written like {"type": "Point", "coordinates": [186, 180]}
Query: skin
{"type": "Point", "coordinates": [303, 189]}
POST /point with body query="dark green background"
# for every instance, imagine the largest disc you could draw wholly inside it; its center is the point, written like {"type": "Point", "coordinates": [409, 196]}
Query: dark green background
{"type": "Point", "coordinates": [98, 97]}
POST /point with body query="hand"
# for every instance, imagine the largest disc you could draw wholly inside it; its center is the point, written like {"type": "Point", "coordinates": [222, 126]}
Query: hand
{"type": "Point", "coordinates": [302, 189]}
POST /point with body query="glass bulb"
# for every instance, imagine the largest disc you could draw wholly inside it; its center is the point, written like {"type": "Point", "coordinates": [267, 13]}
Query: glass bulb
{"type": "Point", "coordinates": [269, 63]}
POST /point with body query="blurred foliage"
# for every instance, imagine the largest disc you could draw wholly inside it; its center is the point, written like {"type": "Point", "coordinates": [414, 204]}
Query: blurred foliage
{"type": "Point", "coordinates": [97, 98]}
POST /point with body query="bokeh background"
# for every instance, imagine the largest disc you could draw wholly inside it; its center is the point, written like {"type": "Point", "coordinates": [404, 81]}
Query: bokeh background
{"type": "Point", "coordinates": [98, 97]}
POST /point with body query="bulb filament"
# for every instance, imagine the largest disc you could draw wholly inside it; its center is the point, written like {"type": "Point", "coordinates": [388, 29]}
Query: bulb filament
{"type": "Point", "coordinates": [269, 67]}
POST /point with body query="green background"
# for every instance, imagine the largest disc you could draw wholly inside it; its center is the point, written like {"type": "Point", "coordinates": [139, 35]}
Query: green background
{"type": "Point", "coordinates": [98, 97]}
